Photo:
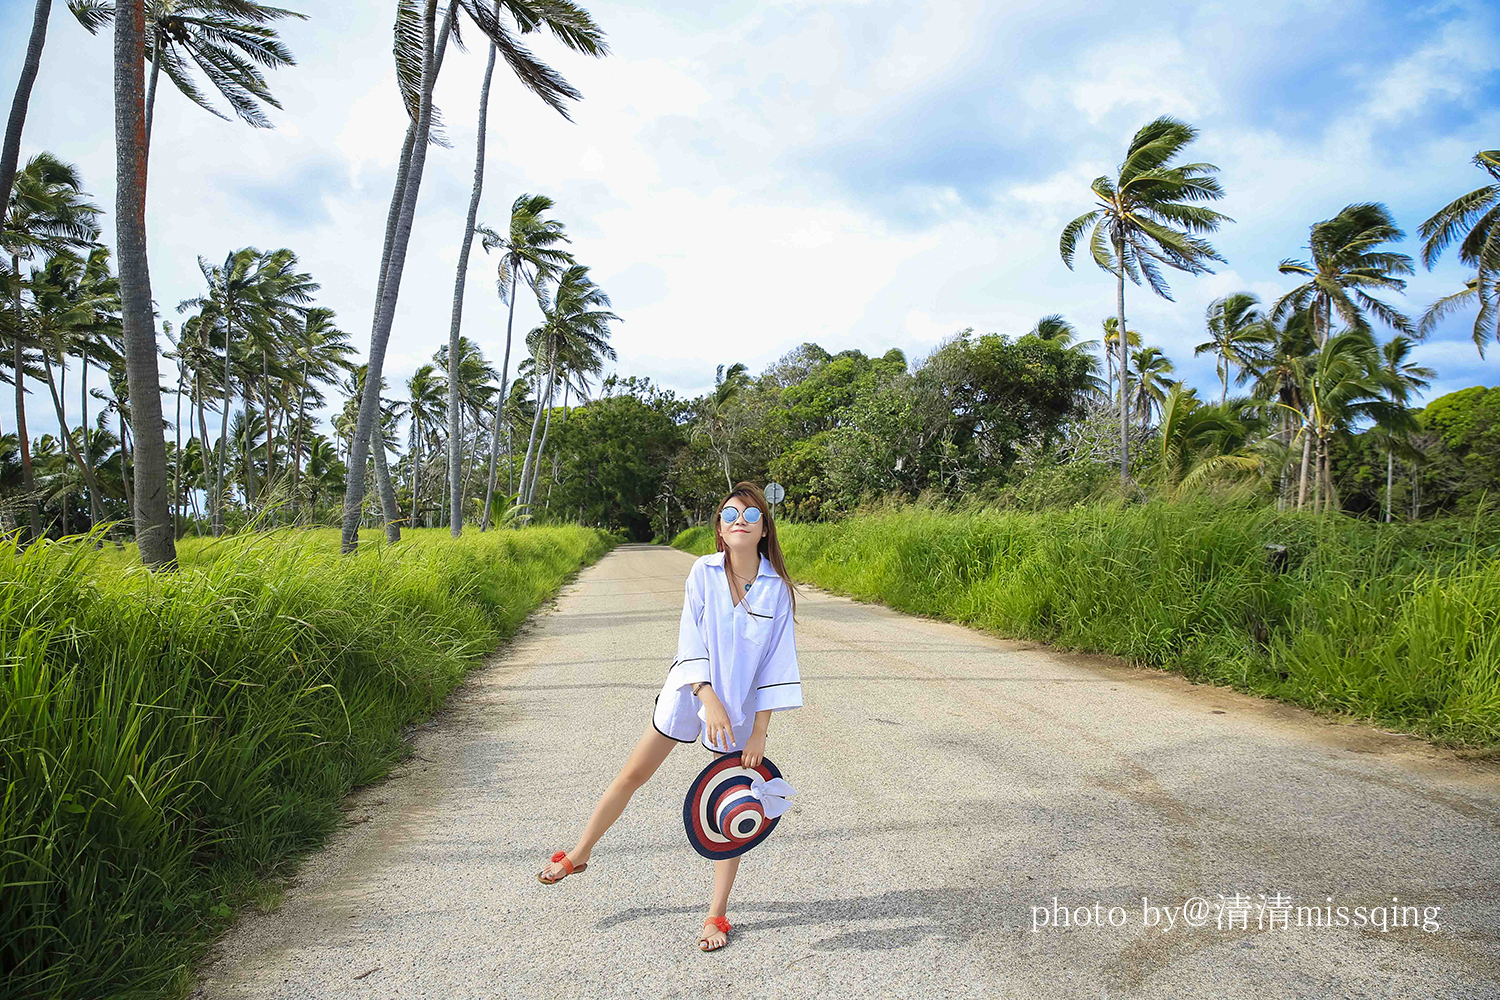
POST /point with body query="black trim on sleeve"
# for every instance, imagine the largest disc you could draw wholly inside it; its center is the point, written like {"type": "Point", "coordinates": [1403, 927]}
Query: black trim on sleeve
{"type": "Point", "coordinates": [776, 685]}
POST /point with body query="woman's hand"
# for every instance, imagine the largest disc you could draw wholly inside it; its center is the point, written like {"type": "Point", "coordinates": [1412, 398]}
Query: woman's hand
{"type": "Point", "coordinates": [755, 750]}
{"type": "Point", "coordinates": [716, 719]}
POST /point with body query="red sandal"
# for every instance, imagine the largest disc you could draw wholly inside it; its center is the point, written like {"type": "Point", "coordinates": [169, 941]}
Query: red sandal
{"type": "Point", "coordinates": [722, 924]}
{"type": "Point", "coordinates": [568, 868]}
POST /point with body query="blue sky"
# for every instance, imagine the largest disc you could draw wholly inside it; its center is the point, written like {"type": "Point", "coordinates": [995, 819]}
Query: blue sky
{"type": "Point", "coordinates": [743, 177]}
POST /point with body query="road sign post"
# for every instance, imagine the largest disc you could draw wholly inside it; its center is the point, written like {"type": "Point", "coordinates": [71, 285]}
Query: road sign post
{"type": "Point", "coordinates": [775, 494]}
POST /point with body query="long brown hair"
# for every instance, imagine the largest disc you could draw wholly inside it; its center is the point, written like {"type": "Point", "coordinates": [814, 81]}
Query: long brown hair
{"type": "Point", "coordinates": [768, 545]}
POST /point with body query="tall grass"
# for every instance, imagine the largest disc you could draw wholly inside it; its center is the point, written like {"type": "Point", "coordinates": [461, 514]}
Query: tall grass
{"type": "Point", "coordinates": [1397, 623]}
{"type": "Point", "coordinates": [167, 740]}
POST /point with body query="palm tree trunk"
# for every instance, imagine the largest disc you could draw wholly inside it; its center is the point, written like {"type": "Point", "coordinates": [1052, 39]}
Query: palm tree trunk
{"type": "Point", "coordinates": [219, 494]}
{"type": "Point", "coordinates": [125, 460]}
{"type": "Point", "coordinates": [536, 420]}
{"type": "Point", "coordinates": [62, 429]}
{"type": "Point", "coordinates": [1390, 475]}
{"type": "Point", "coordinates": [454, 444]}
{"type": "Point", "coordinates": [10, 156]}
{"type": "Point", "coordinates": [153, 531]}
{"type": "Point", "coordinates": [489, 493]}
{"type": "Point", "coordinates": [390, 285]}
{"type": "Point", "coordinates": [203, 438]}
{"type": "Point", "coordinates": [416, 467]}
{"type": "Point", "coordinates": [1302, 480]}
{"type": "Point", "coordinates": [23, 437]}
{"type": "Point", "coordinates": [248, 444]}
{"type": "Point", "coordinates": [1124, 364]}
{"type": "Point", "coordinates": [177, 465]}
{"type": "Point", "coordinates": [387, 492]}
{"type": "Point", "coordinates": [265, 405]}
{"type": "Point", "coordinates": [297, 439]}
{"type": "Point", "coordinates": [151, 89]}
{"type": "Point", "coordinates": [83, 402]}
{"type": "Point", "coordinates": [541, 448]}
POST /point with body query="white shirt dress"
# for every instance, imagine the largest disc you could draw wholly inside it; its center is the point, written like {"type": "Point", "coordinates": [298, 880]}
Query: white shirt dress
{"type": "Point", "coordinates": [747, 651]}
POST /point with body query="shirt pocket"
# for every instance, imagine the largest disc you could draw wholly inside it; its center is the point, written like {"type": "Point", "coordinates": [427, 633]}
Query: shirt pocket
{"type": "Point", "coordinates": [758, 623]}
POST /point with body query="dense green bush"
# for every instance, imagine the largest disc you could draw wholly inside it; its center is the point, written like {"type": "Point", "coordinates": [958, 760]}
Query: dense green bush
{"type": "Point", "coordinates": [169, 739]}
{"type": "Point", "coordinates": [1394, 622]}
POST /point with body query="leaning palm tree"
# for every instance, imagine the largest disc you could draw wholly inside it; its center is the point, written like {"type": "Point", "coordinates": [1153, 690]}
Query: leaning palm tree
{"type": "Point", "coordinates": [1111, 328]}
{"type": "Point", "coordinates": [1474, 219]}
{"type": "Point", "coordinates": [47, 214]}
{"type": "Point", "coordinates": [576, 320]}
{"type": "Point", "coordinates": [1347, 264]}
{"type": "Point", "coordinates": [1151, 384]}
{"type": "Point", "coordinates": [425, 411]}
{"type": "Point", "coordinates": [1341, 384]}
{"type": "Point", "coordinates": [1236, 327]}
{"type": "Point", "coordinates": [226, 38]}
{"type": "Point", "coordinates": [66, 303]}
{"type": "Point", "coordinates": [1055, 328]}
{"type": "Point", "coordinates": [572, 25]}
{"type": "Point", "coordinates": [10, 154]}
{"type": "Point", "coordinates": [529, 253]}
{"type": "Point", "coordinates": [1200, 441]}
{"type": "Point", "coordinates": [715, 406]}
{"type": "Point", "coordinates": [232, 304]}
{"type": "Point", "coordinates": [1401, 379]}
{"type": "Point", "coordinates": [322, 351]}
{"type": "Point", "coordinates": [1147, 217]}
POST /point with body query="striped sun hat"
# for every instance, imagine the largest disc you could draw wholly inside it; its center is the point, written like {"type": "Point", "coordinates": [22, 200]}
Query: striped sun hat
{"type": "Point", "coordinates": [730, 808]}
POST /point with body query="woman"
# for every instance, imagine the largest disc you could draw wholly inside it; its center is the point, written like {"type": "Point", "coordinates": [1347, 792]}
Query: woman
{"type": "Point", "coordinates": [736, 663]}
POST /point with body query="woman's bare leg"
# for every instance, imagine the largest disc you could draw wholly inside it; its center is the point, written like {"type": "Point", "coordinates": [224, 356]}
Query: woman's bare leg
{"type": "Point", "coordinates": [650, 750]}
{"type": "Point", "coordinates": [724, 872]}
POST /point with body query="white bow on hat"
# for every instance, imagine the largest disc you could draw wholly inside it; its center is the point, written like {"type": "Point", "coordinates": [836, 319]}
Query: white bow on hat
{"type": "Point", "coordinates": [771, 795]}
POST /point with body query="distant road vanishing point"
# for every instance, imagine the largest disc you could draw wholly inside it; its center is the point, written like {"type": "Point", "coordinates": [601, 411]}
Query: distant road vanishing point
{"type": "Point", "coordinates": [974, 817]}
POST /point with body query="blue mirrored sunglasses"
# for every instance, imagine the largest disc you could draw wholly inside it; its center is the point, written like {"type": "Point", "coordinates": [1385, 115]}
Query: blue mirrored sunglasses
{"type": "Point", "coordinates": [730, 514]}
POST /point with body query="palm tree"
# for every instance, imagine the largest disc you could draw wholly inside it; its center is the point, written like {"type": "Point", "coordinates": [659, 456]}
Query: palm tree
{"type": "Point", "coordinates": [455, 487]}
{"type": "Point", "coordinates": [576, 323]}
{"type": "Point", "coordinates": [1345, 262]}
{"type": "Point", "coordinates": [10, 154]}
{"type": "Point", "coordinates": [47, 214]}
{"type": "Point", "coordinates": [471, 393]}
{"type": "Point", "coordinates": [283, 299]}
{"type": "Point", "coordinates": [1111, 326]}
{"type": "Point", "coordinates": [727, 386]}
{"type": "Point", "coordinates": [1401, 379]}
{"type": "Point", "coordinates": [1277, 373]}
{"type": "Point", "coordinates": [1151, 384]}
{"type": "Point", "coordinates": [1341, 383]}
{"type": "Point", "coordinates": [577, 360]}
{"type": "Point", "coordinates": [1146, 218]}
{"type": "Point", "coordinates": [571, 25]}
{"type": "Point", "coordinates": [226, 38]}
{"type": "Point", "coordinates": [66, 303]}
{"type": "Point", "coordinates": [528, 253]}
{"type": "Point", "coordinates": [1054, 327]}
{"type": "Point", "coordinates": [232, 302]}
{"type": "Point", "coordinates": [1475, 219]}
{"type": "Point", "coordinates": [425, 410]}
{"type": "Point", "coordinates": [322, 351]}
{"type": "Point", "coordinates": [1199, 441]}
{"type": "Point", "coordinates": [1236, 327]}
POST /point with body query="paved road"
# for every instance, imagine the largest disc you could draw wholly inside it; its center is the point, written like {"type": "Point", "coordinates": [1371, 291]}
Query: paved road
{"type": "Point", "coordinates": [949, 783]}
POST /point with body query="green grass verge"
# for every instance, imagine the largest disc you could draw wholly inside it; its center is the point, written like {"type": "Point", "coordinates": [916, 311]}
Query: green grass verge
{"type": "Point", "coordinates": [1397, 624]}
{"type": "Point", "coordinates": [169, 741]}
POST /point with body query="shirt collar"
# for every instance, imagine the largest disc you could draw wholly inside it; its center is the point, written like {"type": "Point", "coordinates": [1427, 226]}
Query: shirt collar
{"type": "Point", "coordinates": [766, 569]}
